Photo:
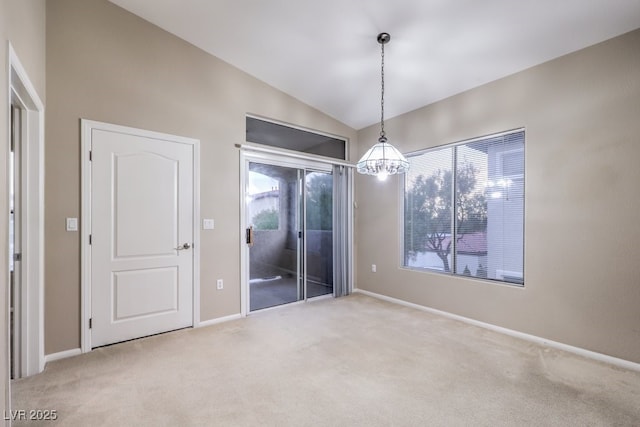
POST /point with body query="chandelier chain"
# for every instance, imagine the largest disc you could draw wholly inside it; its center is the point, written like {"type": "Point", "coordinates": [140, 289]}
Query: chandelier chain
{"type": "Point", "coordinates": [382, 133]}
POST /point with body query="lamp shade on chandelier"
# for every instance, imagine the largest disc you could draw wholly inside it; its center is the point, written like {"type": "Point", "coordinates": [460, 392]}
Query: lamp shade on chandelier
{"type": "Point", "coordinates": [383, 159]}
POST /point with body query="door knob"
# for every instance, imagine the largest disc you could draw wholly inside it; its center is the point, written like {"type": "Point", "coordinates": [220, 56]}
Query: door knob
{"type": "Point", "coordinates": [183, 247]}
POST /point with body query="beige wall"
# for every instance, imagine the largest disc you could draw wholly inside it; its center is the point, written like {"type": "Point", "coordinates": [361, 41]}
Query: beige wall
{"type": "Point", "coordinates": [22, 22]}
{"type": "Point", "coordinates": [582, 237]}
{"type": "Point", "coordinates": [106, 64]}
{"type": "Point", "coordinates": [25, 21]}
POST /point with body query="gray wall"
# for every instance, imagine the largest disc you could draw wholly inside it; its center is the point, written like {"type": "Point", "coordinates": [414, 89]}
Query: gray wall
{"type": "Point", "coordinates": [582, 240]}
{"type": "Point", "coordinates": [106, 64]}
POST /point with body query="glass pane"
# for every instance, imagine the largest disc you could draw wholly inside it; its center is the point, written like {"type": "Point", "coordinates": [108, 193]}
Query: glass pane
{"type": "Point", "coordinates": [427, 210]}
{"type": "Point", "coordinates": [490, 208]}
{"type": "Point", "coordinates": [471, 210]}
{"type": "Point", "coordinates": [264, 209]}
{"type": "Point", "coordinates": [272, 206]}
{"type": "Point", "coordinates": [319, 233]}
{"type": "Point", "coordinates": [276, 135]}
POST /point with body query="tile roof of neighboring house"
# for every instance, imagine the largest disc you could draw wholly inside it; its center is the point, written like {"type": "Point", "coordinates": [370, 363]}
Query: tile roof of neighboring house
{"type": "Point", "coordinates": [470, 243]}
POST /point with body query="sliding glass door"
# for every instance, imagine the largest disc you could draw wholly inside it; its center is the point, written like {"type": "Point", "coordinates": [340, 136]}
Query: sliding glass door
{"type": "Point", "coordinates": [273, 213]}
{"type": "Point", "coordinates": [289, 213]}
{"type": "Point", "coordinates": [318, 233]}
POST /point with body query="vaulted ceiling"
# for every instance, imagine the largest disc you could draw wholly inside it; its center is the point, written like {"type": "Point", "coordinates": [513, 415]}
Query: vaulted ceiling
{"type": "Point", "coordinates": [325, 53]}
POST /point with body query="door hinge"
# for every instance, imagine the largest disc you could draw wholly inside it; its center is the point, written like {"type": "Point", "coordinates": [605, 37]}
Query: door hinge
{"type": "Point", "coordinates": [90, 155]}
{"type": "Point", "coordinates": [17, 257]}
{"type": "Point", "coordinates": [89, 238]}
{"type": "Point", "coordinates": [13, 130]}
{"type": "Point", "coordinates": [90, 323]}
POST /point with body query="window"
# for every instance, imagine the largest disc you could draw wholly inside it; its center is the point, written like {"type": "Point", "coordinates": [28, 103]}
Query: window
{"type": "Point", "coordinates": [464, 209]}
{"type": "Point", "coordinates": [291, 138]}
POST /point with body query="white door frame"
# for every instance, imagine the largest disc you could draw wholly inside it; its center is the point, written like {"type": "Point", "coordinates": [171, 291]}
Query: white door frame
{"type": "Point", "coordinates": [85, 263]}
{"type": "Point", "coordinates": [23, 94]}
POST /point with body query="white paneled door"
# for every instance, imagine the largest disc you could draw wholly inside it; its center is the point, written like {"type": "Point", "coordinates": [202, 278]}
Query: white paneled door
{"type": "Point", "coordinates": [142, 254]}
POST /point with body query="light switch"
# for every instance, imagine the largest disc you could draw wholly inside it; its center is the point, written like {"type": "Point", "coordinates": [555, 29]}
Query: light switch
{"type": "Point", "coordinates": [72, 224]}
{"type": "Point", "coordinates": [207, 224]}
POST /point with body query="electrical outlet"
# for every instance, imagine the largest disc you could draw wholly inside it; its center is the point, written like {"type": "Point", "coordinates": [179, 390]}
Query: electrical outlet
{"type": "Point", "coordinates": [374, 268]}
{"type": "Point", "coordinates": [220, 284]}
{"type": "Point", "coordinates": [72, 224]}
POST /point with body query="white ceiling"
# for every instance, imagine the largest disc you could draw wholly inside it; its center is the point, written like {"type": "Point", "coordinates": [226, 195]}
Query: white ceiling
{"type": "Point", "coordinates": [325, 53]}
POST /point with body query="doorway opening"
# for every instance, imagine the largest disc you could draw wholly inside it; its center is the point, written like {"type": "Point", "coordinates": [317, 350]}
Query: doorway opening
{"type": "Point", "coordinates": [290, 215]}
{"type": "Point", "coordinates": [25, 209]}
{"type": "Point", "coordinates": [15, 247]}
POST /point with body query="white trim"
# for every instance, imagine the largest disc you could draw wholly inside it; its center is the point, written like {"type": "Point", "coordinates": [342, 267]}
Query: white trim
{"type": "Point", "coordinates": [621, 363]}
{"type": "Point", "coordinates": [502, 273]}
{"type": "Point", "coordinates": [85, 190]}
{"type": "Point", "coordinates": [464, 141]}
{"type": "Point", "coordinates": [85, 231]}
{"type": "Point", "coordinates": [285, 158]}
{"type": "Point", "coordinates": [78, 351]}
{"type": "Point", "coordinates": [32, 301]}
{"type": "Point", "coordinates": [217, 320]}
{"type": "Point", "coordinates": [62, 355]}
{"type": "Point", "coordinates": [196, 234]}
{"type": "Point", "coordinates": [256, 148]}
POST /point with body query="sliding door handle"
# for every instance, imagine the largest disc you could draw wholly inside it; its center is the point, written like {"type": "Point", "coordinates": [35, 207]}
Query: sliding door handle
{"type": "Point", "coordinates": [249, 236]}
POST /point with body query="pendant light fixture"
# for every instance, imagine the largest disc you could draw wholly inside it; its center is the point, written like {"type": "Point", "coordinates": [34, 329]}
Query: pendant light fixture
{"type": "Point", "coordinates": [383, 159]}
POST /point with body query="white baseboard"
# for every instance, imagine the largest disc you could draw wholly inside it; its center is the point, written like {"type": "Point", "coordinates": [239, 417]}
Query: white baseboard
{"type": "Point", "coordinates": [62, 355]}
{"type": "Point", "coordinates": [622, 363]}
{"type": "Point", "coordinates": [218, 320]}
{"type": "Point", "coordinates": [76, 351]}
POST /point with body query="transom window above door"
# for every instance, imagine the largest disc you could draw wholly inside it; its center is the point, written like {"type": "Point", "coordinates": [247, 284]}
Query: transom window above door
{"type": "Point", "coordinates": [265, 132]}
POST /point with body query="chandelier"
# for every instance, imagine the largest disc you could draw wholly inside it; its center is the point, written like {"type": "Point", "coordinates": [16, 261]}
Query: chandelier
{"type": "Point", "coordinates": [383, 159]}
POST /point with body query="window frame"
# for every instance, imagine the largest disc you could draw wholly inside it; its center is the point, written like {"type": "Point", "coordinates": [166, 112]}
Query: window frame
{"type": "Point", "coordinates": [402, 200]}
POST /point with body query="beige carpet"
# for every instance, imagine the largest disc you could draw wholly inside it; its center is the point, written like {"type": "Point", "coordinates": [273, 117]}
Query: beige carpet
{"type": "Point", "coordinates": [354, 361]}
